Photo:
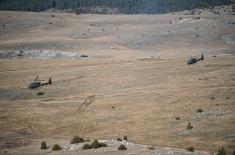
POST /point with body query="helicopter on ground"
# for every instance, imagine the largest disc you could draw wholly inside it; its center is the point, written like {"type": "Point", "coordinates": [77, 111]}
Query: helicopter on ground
{"type": "Point", "coordinates": [36, 84]}
{"type": "Point", "coordinates": [194, 60]}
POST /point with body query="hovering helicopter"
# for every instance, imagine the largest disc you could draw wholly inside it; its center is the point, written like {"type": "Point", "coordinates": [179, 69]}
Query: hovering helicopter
{"type": "Point", "coordinates": [35, 84]}
{"type": "Point", "coordinates": [194, 60]}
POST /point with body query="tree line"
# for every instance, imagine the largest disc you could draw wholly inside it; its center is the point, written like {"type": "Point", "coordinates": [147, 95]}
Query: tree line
{"type": "Point", "coordinates": [123, 6]}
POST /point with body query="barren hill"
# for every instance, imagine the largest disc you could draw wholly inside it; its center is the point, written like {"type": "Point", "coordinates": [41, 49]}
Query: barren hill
{"type": "Point", "coordinates": [116, 75]}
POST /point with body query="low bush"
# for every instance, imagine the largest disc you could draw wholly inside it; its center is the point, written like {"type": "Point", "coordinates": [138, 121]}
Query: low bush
{"type": "Point", "coordinates": [43, 145]}
{"type": "Point", "coordinates": [125, 138]}
{"type": "Point", "coordinates": [189, 126]}
{"type": "Point", "coordinates": [94, 145]}
{"type": "Point", "coordinates": [56, 147]}
{"type": "Point", "coordinates": [83, 56]}
{"type": "Point", "coordinates": [77, 139]}
{"type": "Point", "coordinates": [86, 147]}
{"type": "Point", "coordinates": [40, 93]}
{"type": "Point", "coordinates": [177, 118]}
{"type": "Point", "coordinates": [122, 147]}
{"type": "Point", "coordinates": [191, 149]}
{"type": "Point", "coordinates": [199, 110]}
{"type": "Point", "coordinates": [151, 148]}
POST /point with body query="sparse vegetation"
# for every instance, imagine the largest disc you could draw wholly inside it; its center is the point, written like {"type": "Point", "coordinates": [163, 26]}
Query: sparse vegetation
{"type": "Point", "coordinates": [221, 151]}
{"type": "Point", "coordinates": [86, 147]}
{"type": "Point", "coordinates": [177, 118]}
{"type": "Point", "coordinates": [190, 149]}
{"type": "Point", "coordinates": [77, 139]}
{"type": "Point", "coordinates": [40, 93]}
{"type": "Point", "coordinates": [212, 98]}
{"type": "Point", "coordinates": [199, 110]}
{"type": "Point", "coordinates": [151, 148]}
{"type": "Point", "coordinates": [43, 145]}
{"type": "Point", "coordinates": [94, 145]}
{"type": "Point", "coordinates": [122, 147]}
{"type": "Point", "coordinates": [189, 126]}
{"type": "Point", "coordinates": [83, 56]}
{"type": "Point", "coordinates": [56, 147]}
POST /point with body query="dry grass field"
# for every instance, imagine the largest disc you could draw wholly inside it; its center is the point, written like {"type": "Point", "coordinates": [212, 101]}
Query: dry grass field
{"type": "Point", "coordinates": [134, 82]}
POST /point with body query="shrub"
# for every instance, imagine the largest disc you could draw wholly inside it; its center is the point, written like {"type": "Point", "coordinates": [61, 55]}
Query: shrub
{"type": "Point", "coordinates": [95, 144]}
{"type": "Point", "coordinates": [177, 118]}
{"type": "Point", "coordinates": [189, 126]}
{"type": "Point", "coordinates": [212, 98]}
{"type": "Point", "coordinates": [103, 145]}
{"type": "Point", "coordinates": [56, 147]}
{"type": "Point", "coordinates": [221, 151]}
{"type": "Point", "coordinates": [191, 149]}
{"type": "Point", "coordinates": [119, 139]}
{"type": "Point", "coordinates": [234, 152]}
{"type": "Point", "coordinates": [83, 56]}
{"type": "Point", "coordinates": [77, 139]}
{"type": "Point", "coordinates": [40, 93]}
{"type": "Point", "coordinates": [86, 147]}
{"type": "Point", "coordinates": [122, 147]}
{"type": "Point", "coordinates": [43, 145]}
{"type": "Point", "coordinates": [199, 110]}
{"type": "Point", "coordinates": [125, 138]}
{"type": "Point", "coordinates": [151, 148]}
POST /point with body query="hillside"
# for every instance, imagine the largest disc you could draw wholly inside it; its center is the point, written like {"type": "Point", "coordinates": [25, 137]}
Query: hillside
{"type": "Point", "coordinates": [118, 6]}
{"type": "Point", "coordinates": [116, 75]}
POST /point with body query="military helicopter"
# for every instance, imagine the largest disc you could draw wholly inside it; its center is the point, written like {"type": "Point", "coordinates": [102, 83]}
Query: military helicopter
{"type": "Point", "coordinates": [194, 60]}
{"type": "Point", "coordinates": [35, 84]}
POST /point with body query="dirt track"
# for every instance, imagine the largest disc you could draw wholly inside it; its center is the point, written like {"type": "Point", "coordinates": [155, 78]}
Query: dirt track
{"type": "Point", "coordinates": [135, 81]}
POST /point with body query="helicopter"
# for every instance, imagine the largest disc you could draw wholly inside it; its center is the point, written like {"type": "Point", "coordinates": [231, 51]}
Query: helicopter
{"type": "Point", "coordinates": [36, 84]}
{"type": "Point", "coordinates": [194, 60]}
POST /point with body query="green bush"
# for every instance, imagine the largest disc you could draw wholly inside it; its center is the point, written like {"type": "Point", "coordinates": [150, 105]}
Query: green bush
{"type": "Point", "coordinates": [86, 147]}
{"type": "Point", "coordinates": [189, 126]}
{"type": "Point", "coordinates": [77, 139]}
{"type": "Point", "coordinates": [56, 147]}
{"type": "Point", "coordinates": [221, 151]}
{"type": "Point", "coordinates": [191, 149]}
{"type": "Point", "coordinates": [122, 147]}
{"type": "Point", "coordinates": [43, 145]}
